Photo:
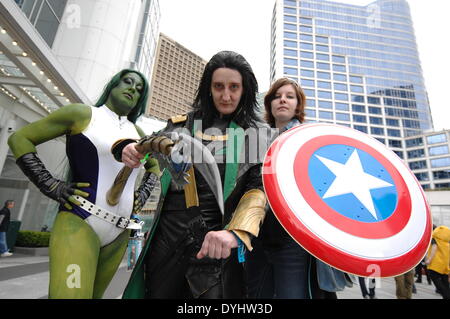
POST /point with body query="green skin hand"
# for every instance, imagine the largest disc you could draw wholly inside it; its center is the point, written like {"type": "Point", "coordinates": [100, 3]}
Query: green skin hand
{"type": "Point", "coordinates": [79, 266]}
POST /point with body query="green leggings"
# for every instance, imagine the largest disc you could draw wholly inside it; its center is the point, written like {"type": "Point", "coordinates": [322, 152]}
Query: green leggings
{"type": "Point", "coordinates": [79, 267]}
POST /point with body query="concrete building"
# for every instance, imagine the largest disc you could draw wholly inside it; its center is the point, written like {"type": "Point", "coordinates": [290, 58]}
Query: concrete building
{"type": "Point", "coordinates": [177, 73]}
{"type": "Point", "coordinates": [53, 53]}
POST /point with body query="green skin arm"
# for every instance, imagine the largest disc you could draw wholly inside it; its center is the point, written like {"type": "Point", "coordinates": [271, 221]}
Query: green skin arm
{"type": "Point", "coordinates": [79, 267]}
{"type": "Point", "coordinates": [70, 119]}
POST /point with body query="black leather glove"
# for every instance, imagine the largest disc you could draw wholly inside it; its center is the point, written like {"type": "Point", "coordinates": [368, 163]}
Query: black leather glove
{"type": "Point", "coordinates": [144, 191]}
{"type": "Point", "coordinates": [35, 170]}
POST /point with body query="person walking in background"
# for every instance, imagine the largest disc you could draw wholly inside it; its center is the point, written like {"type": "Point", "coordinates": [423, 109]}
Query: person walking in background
{"type": "Point", "coordinates": [419, 268]}
{"type": "Point", "coordinates": [438, 260]}
{"type": "Point", "coordinates": [404, 285]}
{"type": "Point", "coordinates": [5, 218]}
{"type": "Point", "coordinates": [367, 294]}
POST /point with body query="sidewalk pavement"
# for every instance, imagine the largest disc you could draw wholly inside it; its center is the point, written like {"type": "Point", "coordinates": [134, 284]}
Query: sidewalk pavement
{"type": "Point", "coordinates": [26, 277]}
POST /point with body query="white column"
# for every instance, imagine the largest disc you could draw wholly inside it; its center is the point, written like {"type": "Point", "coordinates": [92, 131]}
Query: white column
{"type": "Point", "coordinates": [23, 204]}
{"type": "Point", "coordinates": [4, 135]}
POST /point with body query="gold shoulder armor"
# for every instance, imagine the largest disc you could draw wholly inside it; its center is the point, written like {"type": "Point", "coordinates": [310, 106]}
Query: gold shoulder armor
{"type": "Point", "coordinates": [178, 118]}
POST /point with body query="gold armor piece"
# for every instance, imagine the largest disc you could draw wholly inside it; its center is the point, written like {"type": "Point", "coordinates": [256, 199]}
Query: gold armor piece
{"type": "Point", "coordinates": [248, 216]}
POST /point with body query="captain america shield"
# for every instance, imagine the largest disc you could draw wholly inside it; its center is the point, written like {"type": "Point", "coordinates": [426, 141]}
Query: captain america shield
{"type": "Point", "coordinates": [347, 199]}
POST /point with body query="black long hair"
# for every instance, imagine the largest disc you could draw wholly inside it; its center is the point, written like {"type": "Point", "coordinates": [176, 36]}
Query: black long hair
{"type": "Point", "coordinates": [245, 114]}
{"type": "Point", "coordinates": [141, 103]}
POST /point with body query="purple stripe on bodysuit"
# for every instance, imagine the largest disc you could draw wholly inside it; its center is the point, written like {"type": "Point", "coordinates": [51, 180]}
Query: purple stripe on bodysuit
{"type": "Point", "coordinates": [83, 159]}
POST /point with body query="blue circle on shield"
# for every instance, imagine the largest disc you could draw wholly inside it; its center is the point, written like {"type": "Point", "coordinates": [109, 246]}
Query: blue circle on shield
{"type": "Point", "coordinates": [353, 183]}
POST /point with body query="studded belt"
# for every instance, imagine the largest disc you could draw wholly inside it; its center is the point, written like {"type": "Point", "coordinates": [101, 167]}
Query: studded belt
{"type": "Point", "coordinates": [109, 217]}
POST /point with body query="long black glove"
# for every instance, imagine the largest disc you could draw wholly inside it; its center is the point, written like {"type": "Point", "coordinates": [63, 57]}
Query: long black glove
{"type": "Point", "coordinates": [144, 191]}
{"type": "Point", "coordinates": [35, 170]}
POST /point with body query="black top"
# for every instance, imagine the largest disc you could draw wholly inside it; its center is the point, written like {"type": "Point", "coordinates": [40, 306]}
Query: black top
{"type": "Point", "coordinates": [6, 214]}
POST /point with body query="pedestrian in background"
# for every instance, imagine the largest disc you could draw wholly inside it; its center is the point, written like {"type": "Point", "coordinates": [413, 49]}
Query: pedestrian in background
{"type": "Point", "coordinates": [367, 294]}
{"type": "Point", "coordinates": [5, 218]}
{"type": "Point", "coordinates": [438, 260]}
{"type": "Point", "coordinates": [404, 285]}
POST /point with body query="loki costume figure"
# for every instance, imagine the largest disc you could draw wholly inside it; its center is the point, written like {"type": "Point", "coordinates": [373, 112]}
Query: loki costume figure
{"type": "Point", "coordinates": [179, 259]}
{"type": "Point", "coordinates": [87, 246]}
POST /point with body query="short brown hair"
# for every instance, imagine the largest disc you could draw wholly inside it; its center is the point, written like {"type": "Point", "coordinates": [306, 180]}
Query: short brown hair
{"type": "Point", "coordinates": [270, 96]}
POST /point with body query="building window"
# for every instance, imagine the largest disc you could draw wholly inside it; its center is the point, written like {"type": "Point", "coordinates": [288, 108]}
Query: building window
{"type": "Point", "coordinates": [395, 143]}
{"type": "Point", "coordinates": [374, 110]}
{"type": "Point", "coordinates": [305, 29]}
{"type": "Point", "coordinates": [440, 162]}
{"type": "Point", "coordinates": [324, 85]}
{"type": "Point", "coordinates": [433, 139]}
{"type": "Point", "coordinates": [338, 59]}
{"type": "Point", "coordinates": [306, 55]}
{"type": "Point", "coordinates": [399, 154]}
{"type": "Point", "coordinates": [341, 106]}
{"type": "Point", "coordinates": [290, 71]}
{"type": "Point", "coordinates": [417, 165]}
{"type": "Point", "coordinates": [305, 82]}
{"type": "Point", "coordinates": [290, 52]}
{"type": "Point", "coordinates": [376, 120]}
{"type": "Point", "coordinates": [392, 122]}
{"type": "Point", "coordinates": [325, 115]}
{"type": "Point", "coordinates": [323, 66]}
{"type": "Point", "coordinates": [360, 128]}
{"type": "Point", "coordinates": [394, 133]}
{"type": "Point", "coordinates": [340, 86]}
{"type": "Point", "coordinates": [416, 153]}
{"type": "Point", "coordinates": [414, 142]}
{"type": "Point", "coordinates": [377, 131]}
{"type": "Point", "coordinates": [355, 79]}
{"type": "Point", "coordinates": [359, 118]}
{"type": "Point", "coordinates": [342, 117]}
{"type": "Point", "coordinates": [321, 39]}
{"type": "Point", "coordinates": [307, 73]}
{"type": "Point", "coordinates": [444, 174]}
{"type": "Point", "coordinates": [325, 95]}
{"type": "Point", "coordinates": [341, 96]}
{"type": "Point", "coordinates": [324, 75]}
{"type": "Point", "coordinates": [438, 150]}
{"type": "Point", "coordinates": [441, 185]}
{"type": "Point", "coordinates": [339, 77]}
{"type": "Point", "coordinates": [322, 57]}
{"type": "Point", "coordinates": [373, 100]}
{"type": "Point", "coordinates": [310, 113]}
{"type": "Point", "coordinates": [422, 176]}
{"type": "Point", "coordinates": [325, 104]}
{"type": "Point", "coordinates": [358, 108]}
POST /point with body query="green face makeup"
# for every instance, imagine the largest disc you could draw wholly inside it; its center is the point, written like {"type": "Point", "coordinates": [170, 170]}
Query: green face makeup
{"type": "Point", "coordinates": [126, 94]}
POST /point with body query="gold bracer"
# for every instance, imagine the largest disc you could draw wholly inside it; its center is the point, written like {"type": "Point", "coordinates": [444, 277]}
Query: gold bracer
{"type": "Point", "coordinates": [248, 216]}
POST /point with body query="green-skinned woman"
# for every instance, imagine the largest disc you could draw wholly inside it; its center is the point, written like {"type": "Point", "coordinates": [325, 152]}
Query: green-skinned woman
{"type": "Point", "coordinates": [86, 250]}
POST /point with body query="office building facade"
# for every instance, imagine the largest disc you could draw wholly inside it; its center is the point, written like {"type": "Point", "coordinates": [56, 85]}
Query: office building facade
{"type": "Point", "coordinates": [359, 65]}
{"type": "Point", "coordinates": [176, 76]}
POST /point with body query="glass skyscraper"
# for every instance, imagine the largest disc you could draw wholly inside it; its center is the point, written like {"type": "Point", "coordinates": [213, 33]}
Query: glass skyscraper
{"type": "Point", "coordinates": [358, 65]}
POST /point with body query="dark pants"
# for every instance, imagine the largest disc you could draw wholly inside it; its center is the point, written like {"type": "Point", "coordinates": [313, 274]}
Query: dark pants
{"type": "Point", "coordinates": [362, 285]}
{"type": "Point", "coordinates": [171, 268]}
{"type": "Point", "coordinates": [280, 272]}
{"type": "Point", "coordinates": [441, 283]}
{"type": "Point", "coordinates": [419, 268]}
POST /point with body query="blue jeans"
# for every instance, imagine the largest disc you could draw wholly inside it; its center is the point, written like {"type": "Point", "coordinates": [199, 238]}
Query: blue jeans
{"type": "Point", "coordinates": [3, 246]}
{"type": "Point", "coordinates": [280, 272]}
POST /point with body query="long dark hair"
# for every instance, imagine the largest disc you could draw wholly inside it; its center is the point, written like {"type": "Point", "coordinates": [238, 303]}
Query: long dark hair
{"type": "Point", "coordinates": [270, 96]}
{"type": "Point", "coordinates": [139, 109]}
{"type": "Point", "coordinates": [245, 114]}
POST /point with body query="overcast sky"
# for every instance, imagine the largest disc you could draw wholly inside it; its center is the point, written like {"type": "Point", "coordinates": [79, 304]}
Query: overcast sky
{"type": "Point", "coordinates": [209, 26]}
